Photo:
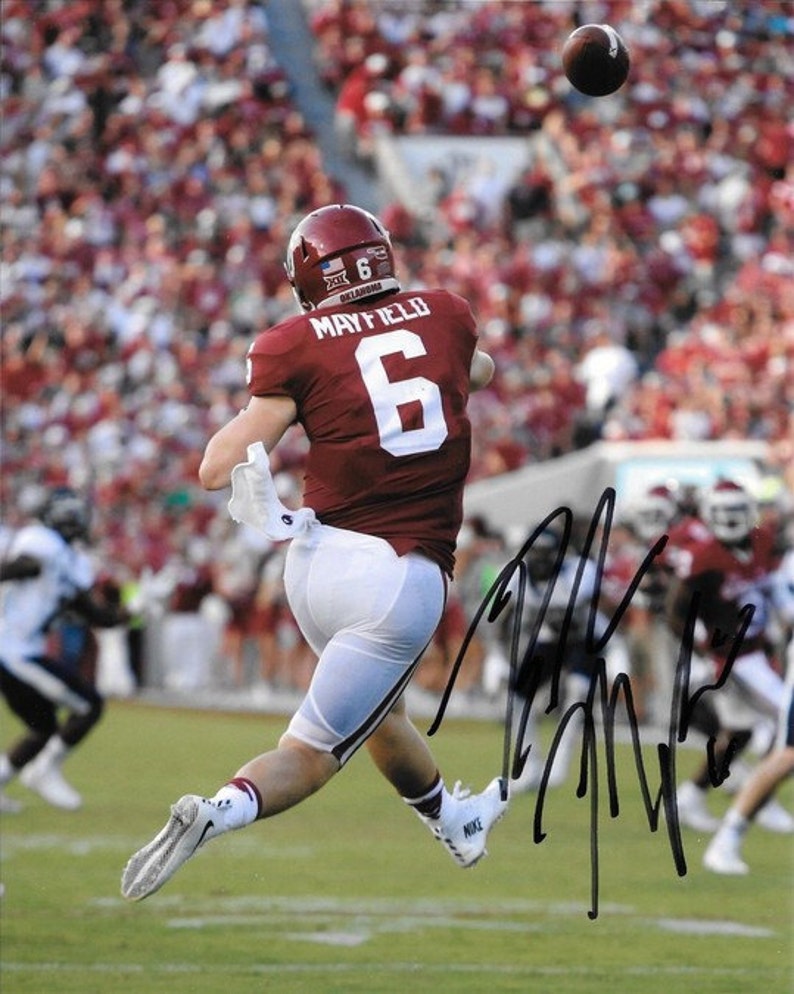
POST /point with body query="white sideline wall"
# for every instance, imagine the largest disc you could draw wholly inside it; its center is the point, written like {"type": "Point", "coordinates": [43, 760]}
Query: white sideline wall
{"type": "Point", "coordinates": [577, 480]}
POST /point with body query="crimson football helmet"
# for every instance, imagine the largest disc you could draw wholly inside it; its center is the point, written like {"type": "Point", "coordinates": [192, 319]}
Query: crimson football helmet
{"type": "Point", "coordinates": [654, 513]}
{"type": "Point", "coordinates": [337, 255]}
{"type": "Point", "coordinates": [729, 511]}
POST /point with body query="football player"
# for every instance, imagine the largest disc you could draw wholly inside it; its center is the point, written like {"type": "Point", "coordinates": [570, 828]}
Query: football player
{"type": "Point", "coordinates": [379, 379]}
{"type": "Point", "coordinates": [652, 515]}
{"type": "Point", "coordinates": [43, 574]}
{"type": "Point", "coordinates": [724, 852]}
{"type": "Point", "coordinates": [561, 587]}
{"type": "Point", "coordinates": [727, 572]}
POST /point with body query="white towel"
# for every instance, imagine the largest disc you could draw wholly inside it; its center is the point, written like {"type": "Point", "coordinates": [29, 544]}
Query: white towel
{"type": "Point", "coordinates": [254, 500]}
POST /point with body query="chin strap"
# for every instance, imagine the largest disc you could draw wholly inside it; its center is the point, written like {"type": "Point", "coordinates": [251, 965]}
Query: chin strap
{"type": "Point", "coordinates": [254, 500]}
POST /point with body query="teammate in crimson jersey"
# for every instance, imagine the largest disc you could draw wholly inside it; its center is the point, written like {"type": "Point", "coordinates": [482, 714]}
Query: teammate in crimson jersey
{"type": "Point", "coordinates": [379, 380]}
{"type": "Point", "coordinates": [728, 568]}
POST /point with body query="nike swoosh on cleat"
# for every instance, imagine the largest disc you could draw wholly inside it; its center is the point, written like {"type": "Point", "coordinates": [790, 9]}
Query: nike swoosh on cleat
{"type": "Point", "coordinates": [207, 827]}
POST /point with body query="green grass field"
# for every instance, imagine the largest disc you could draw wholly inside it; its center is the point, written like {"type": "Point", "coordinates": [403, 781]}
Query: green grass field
{"type": "Point", "coordinates": [349, 893]}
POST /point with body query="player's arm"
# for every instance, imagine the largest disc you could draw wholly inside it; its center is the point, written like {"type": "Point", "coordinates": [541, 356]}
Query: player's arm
{"type": "Point", "coordinates": [22, 567]}
{"type": "Point", "coordinates": [265, 420]}
{"type": "Point", "coordinates": [678, 604]}
{"type": "Point", "coordinates": [681, 596]}
{"type": "Point", "coordinates": [481, 370]}
{"type": "Point", "coordinates": [103, 615]}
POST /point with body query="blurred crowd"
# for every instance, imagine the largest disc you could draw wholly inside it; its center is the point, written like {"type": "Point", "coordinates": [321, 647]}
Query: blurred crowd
{"type": "Point", "coordinates": [635, 282]}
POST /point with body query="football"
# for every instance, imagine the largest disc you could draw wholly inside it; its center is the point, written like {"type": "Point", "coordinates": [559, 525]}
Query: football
{"type": "Point", "coordinates": [596, 60]}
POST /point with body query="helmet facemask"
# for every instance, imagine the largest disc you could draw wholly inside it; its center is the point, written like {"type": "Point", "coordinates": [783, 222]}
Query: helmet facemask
{"type": "Point", "coordinates": [730, 513]}
{"type": "Point", "coordinates": [654, 514]}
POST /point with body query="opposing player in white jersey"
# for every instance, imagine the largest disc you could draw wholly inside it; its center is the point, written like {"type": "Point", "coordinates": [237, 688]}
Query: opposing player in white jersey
{"type": "Point", "coordinates": [42, 574]}
{"type": "Point", "coordinates": [379, 380]}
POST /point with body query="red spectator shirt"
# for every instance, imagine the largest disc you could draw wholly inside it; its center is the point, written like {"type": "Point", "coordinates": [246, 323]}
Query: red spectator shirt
{"type": "Point", "coordinates": [381, 390]}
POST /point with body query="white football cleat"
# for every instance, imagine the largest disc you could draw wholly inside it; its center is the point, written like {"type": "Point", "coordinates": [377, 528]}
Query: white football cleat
{"type": "Point", "coordinates": [46, 780]}
{"type": "Point", "coordinates": [774, 818]}
{"type": "Point", "coordinates": [466, 819]}
{"type": "Point", "coordinates": [193, 821]}
{"type": "Point", "coordinates": [692, 810]}
{"type": "Point", "coordinates": [722, 856]}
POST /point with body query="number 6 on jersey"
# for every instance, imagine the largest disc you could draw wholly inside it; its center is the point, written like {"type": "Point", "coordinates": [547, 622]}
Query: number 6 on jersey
{"type": "Point", "coordinates": [387, 395]}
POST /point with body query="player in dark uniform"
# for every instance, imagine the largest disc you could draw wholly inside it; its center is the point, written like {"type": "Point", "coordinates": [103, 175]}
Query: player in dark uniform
{"type": "Point", "coordinates": [379, 380]}
{"type": "Point", "coordinates": [44, 574]}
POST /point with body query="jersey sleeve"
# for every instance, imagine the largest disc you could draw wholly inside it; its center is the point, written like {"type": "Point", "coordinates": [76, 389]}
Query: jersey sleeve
{"type": "Point", "coordinates": [273, 360]}
{"type": "Point", "coordinates": [35, 542]}
{"type": "Point", "coordinates": [83, 572]}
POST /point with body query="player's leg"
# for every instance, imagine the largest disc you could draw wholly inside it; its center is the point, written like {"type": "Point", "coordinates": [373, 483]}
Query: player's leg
{"type": "Point", "coordinates": [765, 692]}
{"type": "Point", "coordinates": [38, 716]}
{"type": "Point", "coordinates": [84, 705]}
{"type": "Point", "coordinates": [35, 689]}
{"type": "Point", "coordinates": [346, 595]}
{"type": "Point", "coordinates": [724, 852]}
{"type": "Point", "coordinates": [759, 681]}
{"type": "Point", "coordinates": [460, 820]}
{"type": "Point", "coordinates": [530, 687]}
{"type": "Point", "coordinates": [285, 776]}
{"type": "Point", "coordinates": [724, 719]}
{"type": "Point", "coordinates": [288, 774]}
{"type": "Point", "coordinates": [368, 613]}
{"type": "Point", "coordinates": [379, 654]}
{"type": "Point", "coordinates": [402, 754]}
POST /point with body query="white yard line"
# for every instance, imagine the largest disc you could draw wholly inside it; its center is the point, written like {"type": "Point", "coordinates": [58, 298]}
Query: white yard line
{"type": "Point", "coordinates": [487, 969]}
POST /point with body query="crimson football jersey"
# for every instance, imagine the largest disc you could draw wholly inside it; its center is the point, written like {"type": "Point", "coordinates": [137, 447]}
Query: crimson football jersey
{"type": "Point", "coordinates": [381, 390]}
{"type": "Point", "coordinates": [728, 579]}
{"type": "Point", "coordinates": [688, 532]}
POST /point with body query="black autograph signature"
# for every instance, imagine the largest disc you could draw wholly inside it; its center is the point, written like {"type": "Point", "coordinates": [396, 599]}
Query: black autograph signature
{"type": "Point", "coordinates": [602, 698]}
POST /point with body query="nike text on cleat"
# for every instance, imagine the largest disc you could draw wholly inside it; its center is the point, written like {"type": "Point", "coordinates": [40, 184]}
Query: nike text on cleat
{"type": "Point", "coordinates": [193, 821]}
{"type": "Point", "coordinates": [466, 821]}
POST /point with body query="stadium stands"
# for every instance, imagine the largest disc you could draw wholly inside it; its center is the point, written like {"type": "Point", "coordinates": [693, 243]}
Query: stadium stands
{"type": "Point", "coordinates": [154, 160]}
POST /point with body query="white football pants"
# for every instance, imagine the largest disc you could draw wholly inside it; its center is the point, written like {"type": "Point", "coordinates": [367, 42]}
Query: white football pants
{"type": "Point", "coordinates": [368, 614]}
{"type": "Point", "coordinates": [753, 690]}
